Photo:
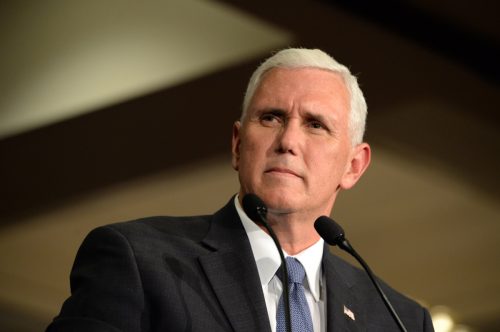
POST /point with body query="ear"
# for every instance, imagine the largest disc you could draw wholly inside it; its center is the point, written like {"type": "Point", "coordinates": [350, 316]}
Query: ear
{"type": "Point", "coordinates": [359, 161]}
{"type": "Point", "coordinates": [235, 147]}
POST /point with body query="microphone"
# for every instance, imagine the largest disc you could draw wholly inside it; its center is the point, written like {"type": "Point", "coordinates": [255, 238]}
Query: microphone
{"type": "Point", "coordinates": [333, 234]}
{"type": "Point", "coordinates": [256, 210]}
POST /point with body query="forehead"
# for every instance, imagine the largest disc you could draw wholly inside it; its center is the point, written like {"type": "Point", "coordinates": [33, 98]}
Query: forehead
{"type": "Point", "coordinates": [302, 85]}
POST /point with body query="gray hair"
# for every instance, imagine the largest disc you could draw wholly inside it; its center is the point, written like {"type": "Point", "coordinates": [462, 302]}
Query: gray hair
{"type": "Point", "coordinates": [314, 58]}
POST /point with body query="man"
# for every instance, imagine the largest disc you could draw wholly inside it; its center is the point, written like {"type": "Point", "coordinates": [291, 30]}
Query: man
{"type": "Point", "coordinates": [298, 143]}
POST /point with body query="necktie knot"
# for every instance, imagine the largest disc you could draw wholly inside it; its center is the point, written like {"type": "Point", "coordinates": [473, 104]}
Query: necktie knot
{"type": "Point", "coordinates": [296, 272]}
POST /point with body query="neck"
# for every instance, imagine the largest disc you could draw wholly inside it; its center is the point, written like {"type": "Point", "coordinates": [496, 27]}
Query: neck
{"type": "Point", "coordinates": [295, 233]}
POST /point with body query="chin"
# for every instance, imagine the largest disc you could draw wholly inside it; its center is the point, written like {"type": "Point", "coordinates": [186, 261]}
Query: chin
{"type": "Point", "coordinates": [280, 202]}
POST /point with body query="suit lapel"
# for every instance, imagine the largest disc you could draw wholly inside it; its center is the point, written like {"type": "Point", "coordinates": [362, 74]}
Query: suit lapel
{"type": "Point", "coordinates": [232, 272]}
{"type": "Point", "coordinates": [344, 311]}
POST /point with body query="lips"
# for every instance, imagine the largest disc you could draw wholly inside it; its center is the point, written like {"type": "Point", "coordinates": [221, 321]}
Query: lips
{"type": "Point", "coordinates": [283, 171]}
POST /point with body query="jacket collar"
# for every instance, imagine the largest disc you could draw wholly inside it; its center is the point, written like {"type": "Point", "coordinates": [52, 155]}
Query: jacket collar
{"type": "Point", "coordinates": [232, 272]}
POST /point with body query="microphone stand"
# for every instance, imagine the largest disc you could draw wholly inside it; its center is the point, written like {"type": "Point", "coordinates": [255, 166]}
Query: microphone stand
{"type": "Point", "coordinates": [286, 296]}
{"type": "Point", "coordinates": [252, 203]}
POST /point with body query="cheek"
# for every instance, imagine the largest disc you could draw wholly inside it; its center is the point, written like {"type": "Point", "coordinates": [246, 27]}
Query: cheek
{"type": "Point", "coordinates": [255, 145]}
{"type": "Point", "coordinates": [249, 156]}
{"type": "Point", "coordinates": [329, 165]}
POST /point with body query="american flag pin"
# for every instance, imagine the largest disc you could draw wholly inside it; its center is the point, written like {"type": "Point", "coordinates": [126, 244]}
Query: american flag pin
{"type": "Point", "coordinates": [349, 313]}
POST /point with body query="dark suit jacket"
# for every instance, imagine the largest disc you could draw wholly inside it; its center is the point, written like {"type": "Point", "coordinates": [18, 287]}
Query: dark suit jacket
{"type": "Point", "coordinates": [199, 274]}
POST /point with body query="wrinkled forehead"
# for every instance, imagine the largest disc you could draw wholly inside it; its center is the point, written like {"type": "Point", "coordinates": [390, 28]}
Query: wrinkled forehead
{"type": "Point", "coordinates": [308, 83]}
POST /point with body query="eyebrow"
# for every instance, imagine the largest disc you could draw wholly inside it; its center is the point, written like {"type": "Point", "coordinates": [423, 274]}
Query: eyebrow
{"type": "Point", "coordinates": [330, 121]}
{"type": "Point", "coordinates": [272, 110]}
{"type": "Point", "coordinates": [311, 115]}
{"type": "Point", "coordinates": [276, 110]}
{"type": "Point", "coordinates": [316, 116]}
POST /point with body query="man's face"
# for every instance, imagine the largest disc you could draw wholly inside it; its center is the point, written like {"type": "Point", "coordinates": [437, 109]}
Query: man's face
{"type": "Point", "coordinates": [293, 148]}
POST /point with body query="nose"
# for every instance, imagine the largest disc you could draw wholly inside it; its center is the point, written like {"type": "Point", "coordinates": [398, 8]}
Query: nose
{"type": "Point", "coordinates": [289, 138]}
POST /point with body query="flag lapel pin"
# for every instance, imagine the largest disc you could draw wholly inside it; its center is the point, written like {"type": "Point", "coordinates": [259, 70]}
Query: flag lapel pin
{"type": "Point", "coordinates": [349, 313]}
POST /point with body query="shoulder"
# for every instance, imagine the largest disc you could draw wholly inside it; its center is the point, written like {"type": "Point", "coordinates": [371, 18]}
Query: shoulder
{"type": "Point", "coordinates": [163, 233]}
{"type": "Point", "coordinates": [147, 235]}
{"type": "Point", "coordinates": [191, 226]}
{"type": "Point", "coordinates": [187, 227]}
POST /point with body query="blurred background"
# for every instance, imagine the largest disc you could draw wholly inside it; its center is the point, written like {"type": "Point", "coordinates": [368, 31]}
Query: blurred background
{"type": "Point", "coordinates": [114, 110]}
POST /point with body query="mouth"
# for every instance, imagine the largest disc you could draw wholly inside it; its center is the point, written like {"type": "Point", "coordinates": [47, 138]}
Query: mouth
{"type": "Point", "coordinates": [282, 171]}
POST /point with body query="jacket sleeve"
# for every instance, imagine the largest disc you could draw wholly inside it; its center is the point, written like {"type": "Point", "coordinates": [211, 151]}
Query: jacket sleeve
{"type": "Point", "coordinates": [106, 287]}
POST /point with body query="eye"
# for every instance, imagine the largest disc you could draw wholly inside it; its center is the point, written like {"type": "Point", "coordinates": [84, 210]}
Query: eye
{"type": "Point", "coordinates": [271, 119]}
{"type": "Point", "coordinates": [316, 125]}
{"type": "Point", "coordinates": [268, 117]}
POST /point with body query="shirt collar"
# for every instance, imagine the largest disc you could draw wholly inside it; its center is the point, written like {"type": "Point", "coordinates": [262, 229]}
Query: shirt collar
{"type": "Point", "coordinates": [268, 259]}
{"type": "Point", "coordinates": [310, 259]}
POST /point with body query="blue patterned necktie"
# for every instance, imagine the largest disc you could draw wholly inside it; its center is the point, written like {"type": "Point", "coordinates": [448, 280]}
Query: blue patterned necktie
{"type": "Point", "coordinates": [299, 309]}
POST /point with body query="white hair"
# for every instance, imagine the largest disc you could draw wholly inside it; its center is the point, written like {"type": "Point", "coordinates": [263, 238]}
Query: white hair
{"type": "Point", "coordinates": [314, 58]}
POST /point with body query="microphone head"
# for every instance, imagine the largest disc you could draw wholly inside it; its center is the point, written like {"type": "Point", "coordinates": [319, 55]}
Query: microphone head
{"type": "Point", "coordinates": [254, 207]}
{"type": "Point", "coordinates": [329, 230]}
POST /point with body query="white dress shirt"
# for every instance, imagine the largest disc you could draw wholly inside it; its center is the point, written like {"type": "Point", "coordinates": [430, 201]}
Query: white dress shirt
{"type": "Point", "coordinates": [268, 261]}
